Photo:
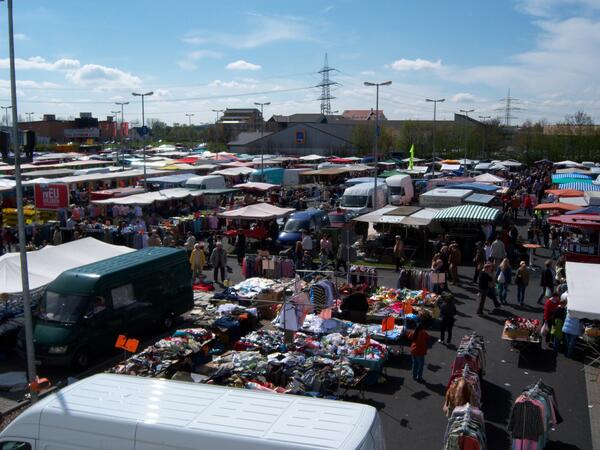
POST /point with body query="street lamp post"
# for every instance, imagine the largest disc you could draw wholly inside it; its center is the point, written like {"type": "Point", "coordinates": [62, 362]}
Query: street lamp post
{"type": "Point", "coordinates": [30, 349]}
{"type": "Point", "coordinates": [6, 108]}
{"type": "Point", "coordinates": [29, 116]}
{"type": "Point", "coordinates": [217, 130]}
{"type": "Point", "coordinates": [121, 135]}
{"type": "Point", "coordinates": [262, 135]}
{"type": "Point", "coordinates": [485, 125]}
{"type": "Point", "coordinates": [376, 155]}
{"type": "Point", "coordinates": [147, 94]}
{"type": "Point", "coordinates": [189, 116]}
{"type": "Point", "coordinates": [466, 113]}
{"type": "Point", "coordinates": [435, 102]}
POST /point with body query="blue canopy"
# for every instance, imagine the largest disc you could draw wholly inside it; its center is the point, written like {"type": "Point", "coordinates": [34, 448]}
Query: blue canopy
{"type": "Point", "coordinates": [581, 186]}
{"type": "Point", "coordinates": [586, 210]}
{"type": "Point", "coordinates": [558, 177]}
{"type": "Point", "coordinates": [482, 187]}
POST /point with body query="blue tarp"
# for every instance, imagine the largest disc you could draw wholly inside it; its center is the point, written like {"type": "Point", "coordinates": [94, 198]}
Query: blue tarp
{"type": "Point", "coordinates": [482, 187]}
{"type": "Point", "coordinates": [586, 210]}
{"type": "Point", "coordinates": [581, 186]}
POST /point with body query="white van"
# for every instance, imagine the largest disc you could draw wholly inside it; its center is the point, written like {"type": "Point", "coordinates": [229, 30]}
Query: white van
{"type": "Point", "coordinates": [400, 189]}
{"type": "Point", "coordinates": [122, 412]}
{"type": "Point", "coordinates": [206, 182]}
{"type": "Point", "coordinates": [358, 199]}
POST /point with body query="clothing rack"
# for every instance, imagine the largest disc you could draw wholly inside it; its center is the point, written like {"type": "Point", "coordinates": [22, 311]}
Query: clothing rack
{"type": "Point", "coordinates": [465, 429]}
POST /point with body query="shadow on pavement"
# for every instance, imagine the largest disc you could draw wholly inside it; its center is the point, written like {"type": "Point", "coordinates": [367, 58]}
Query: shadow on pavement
{"type": "Point", "coordinates": [497, 402]}
{"type": "Point", "coordinates": [497, 437]}
{"type": "Point", "coordinates": [534, 358]}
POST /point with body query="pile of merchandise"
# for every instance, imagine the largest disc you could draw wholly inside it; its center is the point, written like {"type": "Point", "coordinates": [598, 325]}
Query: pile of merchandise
{"type": "Point", "coordinates": [533, 415]}
{"type": "Point", "coordinates": [466, 424]}
{"type": "Point", "coordinates": [252, 287]}
{"type": "Point", "coordinates": [166, 354]}
{"type": "Point", "coordinates": [522, 328]}
{"type": "Point", "coordinates": [388, 302]}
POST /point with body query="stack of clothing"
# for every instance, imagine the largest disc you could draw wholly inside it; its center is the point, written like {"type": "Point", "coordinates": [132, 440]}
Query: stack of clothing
{"type": "Point", "coordinates": [466, 429]}
{"type": "Point", "coordinates": [471, 352]}
{"type": "Point", "coordinates": [462, 390]}
{"type": "Point", "coordinates": [533, 415]}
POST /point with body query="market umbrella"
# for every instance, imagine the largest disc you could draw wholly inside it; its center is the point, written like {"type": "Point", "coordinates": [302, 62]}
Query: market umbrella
{"type": "Point", "coordinates": [565, 192]}
{"type": "Point", "coordinates": [556, 207]}
{"type": "Point", "coordinates": [258, 211]}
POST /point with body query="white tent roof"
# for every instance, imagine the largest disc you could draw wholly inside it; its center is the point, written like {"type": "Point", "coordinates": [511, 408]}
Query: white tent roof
{"type": "Point", "coordinates": [259, 211]}
{"type": "Point", "coordinates": [422, 217]}
{"type": "Point", "coordinates": [256, 185]}
{"type": "Point", "coordinates": [584, 284]}
{"type": "Point", "coordinates": [567, 163]}
{"type": "Point", "coordinates": [233, 171]}
{"type": "Point", "coordinates": [312, 158]}
{"type": "Point", "coordinates": [488, 178]}
{"type": "Point", "coordinates": [450, 167]}
{"type": "Point", "coordinates": [48, 263]}
{"type": "Point", "coordinates": [147, 198]}
{"type": "Point", "coordinates": [511, 163]}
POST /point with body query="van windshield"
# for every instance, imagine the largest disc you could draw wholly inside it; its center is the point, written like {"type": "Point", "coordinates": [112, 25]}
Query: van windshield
{"type": "Point", "coordinates": [354, 201]}
{"type": "Point", "coordinates": [295, 225]}
{"type": "Point", "coordinates": [66, 308]}
{"type": "Point", "coordinates": [396, 190]}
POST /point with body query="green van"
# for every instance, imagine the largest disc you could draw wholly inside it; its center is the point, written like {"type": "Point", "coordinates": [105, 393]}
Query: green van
{"type": "Point", "coordinates": [84, 310]}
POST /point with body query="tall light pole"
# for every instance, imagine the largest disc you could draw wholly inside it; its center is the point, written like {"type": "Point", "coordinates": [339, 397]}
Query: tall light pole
{"type": "Point", "coordinates": [20, 217]}
{"type": "Point", "coordinates": [189, 116]}
{"type": "Point", "coordinates": [262, 135]}
{"type": "Point", "coordinates": [435, 102]}
{"type": "Point", "coordinates": [121, 135]}
{"type": "Point", "coordinates": [485, 125]}
{"type": "Point", "coordinates": [368, 83]}
{"type": "Point", "coordinates": [466, 113]}
{"type": "Point", "coordinates": [147, 94]}
{"type": "Point", "coordinates": [217, 130]}
{"type": "Point", "coordinates": [29, 116]}
{"type": "Point", "coordinates": [6, 108]}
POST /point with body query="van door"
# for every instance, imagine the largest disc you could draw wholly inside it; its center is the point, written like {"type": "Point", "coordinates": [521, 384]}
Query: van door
{"type": "Point", "coordinates": [132, 306]}
{"type": "Point", "coordinates": [101, 323]}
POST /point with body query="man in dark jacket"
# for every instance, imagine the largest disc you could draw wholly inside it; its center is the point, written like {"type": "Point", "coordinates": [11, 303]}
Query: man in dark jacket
{"type": "Point", "coordinates": [354, 307]}
{"type": "Point", "coordinates": [546, 281]}
{"type": "Point", "coordinates": [487, 287]}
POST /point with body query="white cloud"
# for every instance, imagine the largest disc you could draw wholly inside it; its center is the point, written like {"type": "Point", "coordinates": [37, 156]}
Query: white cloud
{"type": "Point", "coordinates": [550, 8]}
{"type": "Point", "coordinates": [463, 97]}
{"type": "Point", "coordinates": [415, 64]}
{"type": "Point", "coordinates": [264, 30]}
{"type": "Point", "coordinates": [240, 64]}
{"type": "Point", "coordinates": [368, 72]}
{"type": "Point", "coordinates": [102, 77]}
{"type": "Point", "coordinates": [228, 84]}
{"type": "Point", "coordinates": [189, 63]}
{"type": "Point", "coordinates": [326, 9]}
{"type": "Point", "coordinates": [39, 63]}
{"type": "Point", "coordinates": [21, 37]}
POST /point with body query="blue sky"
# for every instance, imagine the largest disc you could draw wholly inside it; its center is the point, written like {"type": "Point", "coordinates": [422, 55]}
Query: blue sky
{"type": "Point", "coordinates": [197, 56]}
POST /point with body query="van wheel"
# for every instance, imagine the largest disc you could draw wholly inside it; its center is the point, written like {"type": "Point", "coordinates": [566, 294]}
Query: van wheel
{"type": "Point", "coordinates": [81, 359]}
{"type": "Point", "coordinates": [168, 321]}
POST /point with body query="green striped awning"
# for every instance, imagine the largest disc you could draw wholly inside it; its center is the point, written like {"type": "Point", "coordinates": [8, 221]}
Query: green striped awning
{"type": "Point", "coordinates": [467, 213]}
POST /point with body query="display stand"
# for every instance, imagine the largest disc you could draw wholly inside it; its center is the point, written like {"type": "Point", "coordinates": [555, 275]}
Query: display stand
{"type": "Point", "coordinates": [531, 248]}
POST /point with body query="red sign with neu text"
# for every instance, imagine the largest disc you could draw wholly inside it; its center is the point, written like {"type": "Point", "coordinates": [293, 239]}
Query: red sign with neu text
{"type": "Point", "coordinates": [51, 196]}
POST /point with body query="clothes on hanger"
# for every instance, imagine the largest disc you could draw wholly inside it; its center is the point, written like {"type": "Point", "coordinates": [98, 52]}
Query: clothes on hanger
{"type": "Point", "coordinates": [416, 279]}
{"type": "Point", "coordinates": [533, 415]}
{"type": "Point", "coordinates": [466, 429]}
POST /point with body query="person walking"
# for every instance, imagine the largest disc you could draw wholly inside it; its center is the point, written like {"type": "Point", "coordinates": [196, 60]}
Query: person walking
{"type": "Point", "coordinates": [498, 251]}
{"type": "Point", "coordinates": [503, 279]}
{"type": "Point", "coordinates": [325, 246]}
{"type": "Point", "coordinates": [190, 243]}
{"type": "Point", "coordinates": [546, 282]}
{"type": "Point", "coordinates": [550, 307]}
{"type": "Point", "coordinates": [197, 260]}
{"type": "Point", "coordinates": [454, 259]}
{"type": "Point", "coordinates": [398, 252]}
{"type": "Point", "coordinates": [522, 281]}
{"type": "Point", "coordinates": [418, 349]}
{"type": "Point", "coordinates": [479, 260]}
{"type": "Point", "coordinates": [240, 246]}
{"type": "Point", "coordinates": [298, 255]}
{"type": "Point", "coordinates": [218, 259]}
{"type": "Point", "coordinates": [486, 287]}
{"type": "Point", "coordinates": [447, 317]}
{"type": "Point", "coordinates": [557, 327]}
{"type": "Point", "coordinates": [342, 257]}
{"type": "Point", "coordinates": [572, 329]}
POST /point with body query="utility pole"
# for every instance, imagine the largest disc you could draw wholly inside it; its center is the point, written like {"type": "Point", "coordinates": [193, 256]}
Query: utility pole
{"type": "Point", "coordinates": [6, 108]}
{"type": "Point", "coordinates": [189, 116]}
{"type": "Point", "coordinates": [147, 94]}
{"type": "Point", "coordinates": [485, 127]}
{"type": "Point", "coordinates": [121, 135]}
{"type": "Point", "coordinates": [217, 130]}
{"type": "Point", "coordinates": [262, 135]}
{"type": "Point", "coordinates": [30, 349]}
{"type": "Point", "coordinates": [466, 113]}
{"type": "Point", "coordinates": [435, 102]}
{"type": "Point", "coordinates": [368, 83]}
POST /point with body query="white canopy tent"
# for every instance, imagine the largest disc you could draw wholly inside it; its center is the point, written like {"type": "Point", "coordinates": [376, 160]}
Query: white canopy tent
{"type": "Point", "coordinates": [489, 178]}
{"type": "Point", "coordinates": [312, 158]}
{"type": "Point", "coordinates": [48, 263]}
{"type": "Point", "coordinates": [233, 171]}
{"type": "Point", "coordinates": [256, 185]}
{"type": "Point", "coordinates": [258, 211]}
{"type": "Point", "coordinates": [584, 285]}
{"type": "Point", "coordinates": [147, 198]}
